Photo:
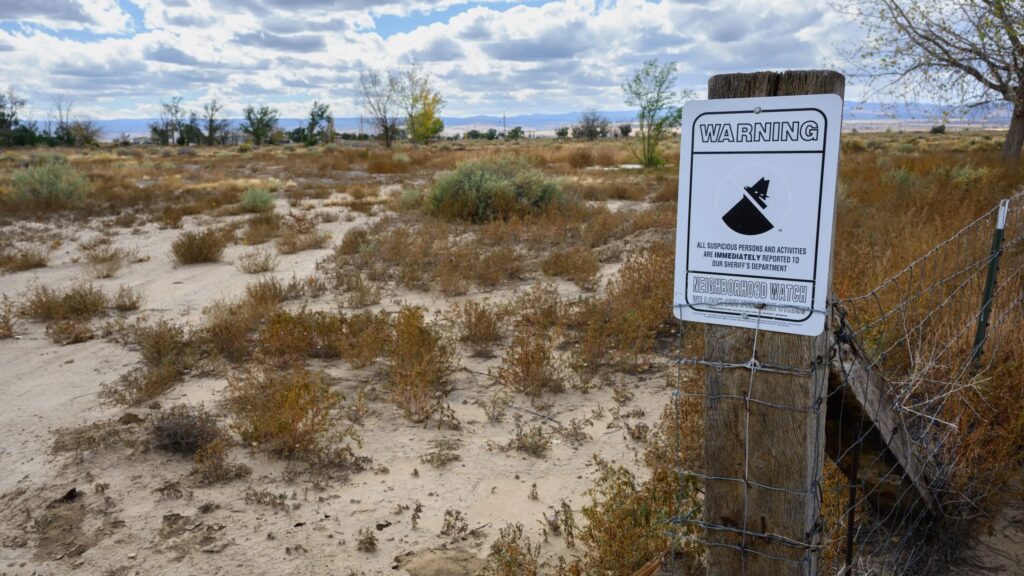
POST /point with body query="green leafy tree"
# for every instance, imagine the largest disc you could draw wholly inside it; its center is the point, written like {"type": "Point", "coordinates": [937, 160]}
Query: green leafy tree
{"type": "Point", "coordinates": [515, 133]}
{"type": "Point", "coordinates": [10, 109]}
{"type": "Point", "coordinates": [422, 104]}
{"type": "Point", "coordinates": [592, 125]}
{"type": "Point", "coordinates": [562, 133]}
{"type": "Point", "coordinates": [968, 53]}
{"type": "Point", "coordinates": [260, 123]}
{"type": "Point", "coordinates": [652, 91]}
{"type": "Point", "coordinates": [319, 119]}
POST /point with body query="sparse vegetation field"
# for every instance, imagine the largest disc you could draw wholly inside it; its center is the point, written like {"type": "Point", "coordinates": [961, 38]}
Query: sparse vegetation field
{"type": "Point", "coordinates": [462, 348]}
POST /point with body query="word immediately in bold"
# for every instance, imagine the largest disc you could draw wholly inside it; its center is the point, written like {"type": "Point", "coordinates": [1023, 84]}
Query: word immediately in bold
{"type": "Point", "coordinates": [795, 131]}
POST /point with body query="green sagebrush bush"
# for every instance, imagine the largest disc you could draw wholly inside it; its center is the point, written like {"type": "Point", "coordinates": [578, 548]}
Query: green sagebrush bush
{"type": "Point", "coordinates": [490, 189]}
{"type": "Point", "coordinates": [49, 183]}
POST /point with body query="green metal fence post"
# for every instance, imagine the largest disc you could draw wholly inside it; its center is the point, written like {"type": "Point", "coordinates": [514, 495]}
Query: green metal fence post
{"type": "Point", "coordinates": [990, 282]}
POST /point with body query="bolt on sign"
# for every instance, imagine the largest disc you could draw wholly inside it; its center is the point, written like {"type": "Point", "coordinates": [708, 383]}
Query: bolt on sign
{"type": "Point", "coordinates": [757, 187]}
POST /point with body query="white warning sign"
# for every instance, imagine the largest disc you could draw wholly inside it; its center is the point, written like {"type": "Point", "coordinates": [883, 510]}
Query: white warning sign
{"type": "Point", "coordinates": [757, 186]}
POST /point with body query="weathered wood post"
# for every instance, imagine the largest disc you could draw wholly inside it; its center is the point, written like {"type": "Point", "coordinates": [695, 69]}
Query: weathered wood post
{"type": "Point", "coordinates": [764, 461]}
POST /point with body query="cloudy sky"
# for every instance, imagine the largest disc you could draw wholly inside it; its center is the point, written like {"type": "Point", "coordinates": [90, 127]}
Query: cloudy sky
{"type": "Point", "coordinates": [119, 58]}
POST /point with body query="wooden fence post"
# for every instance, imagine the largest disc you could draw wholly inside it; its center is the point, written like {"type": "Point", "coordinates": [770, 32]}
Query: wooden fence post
{"type": "Point", "coordinates": [763, 462]}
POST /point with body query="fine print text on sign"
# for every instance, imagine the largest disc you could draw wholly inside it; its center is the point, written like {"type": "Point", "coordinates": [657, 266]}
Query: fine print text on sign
{"type": "Point", "coordinates": [757, 184]}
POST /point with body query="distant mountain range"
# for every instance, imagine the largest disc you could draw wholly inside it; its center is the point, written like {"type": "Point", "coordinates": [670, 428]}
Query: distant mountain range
{"type": "Point", "coordinates": [544, 124]}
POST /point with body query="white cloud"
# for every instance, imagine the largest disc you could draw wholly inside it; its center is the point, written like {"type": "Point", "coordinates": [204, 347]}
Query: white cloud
{"type": "Point", "coordinates": [561, 55]}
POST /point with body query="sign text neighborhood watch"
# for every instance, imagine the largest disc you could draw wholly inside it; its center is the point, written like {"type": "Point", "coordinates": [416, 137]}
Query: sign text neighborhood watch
{"type": "Point", "coordinates": [757, 187]}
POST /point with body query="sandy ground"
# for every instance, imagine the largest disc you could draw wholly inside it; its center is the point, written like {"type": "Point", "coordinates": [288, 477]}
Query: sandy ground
{"type": "Point", "coordinates": [122, 508]}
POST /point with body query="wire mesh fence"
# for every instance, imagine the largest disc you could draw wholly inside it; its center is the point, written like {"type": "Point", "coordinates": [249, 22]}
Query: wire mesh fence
{"type": "Point", "coordinates": [900, 406]}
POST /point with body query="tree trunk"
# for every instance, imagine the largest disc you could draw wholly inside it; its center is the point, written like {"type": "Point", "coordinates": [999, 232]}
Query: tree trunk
{"type": "Point", "coordinates": [1015, 137]}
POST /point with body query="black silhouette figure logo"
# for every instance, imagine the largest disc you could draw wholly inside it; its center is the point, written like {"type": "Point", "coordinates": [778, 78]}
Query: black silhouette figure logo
{"type": "Point", "coordinates": [744, 217]}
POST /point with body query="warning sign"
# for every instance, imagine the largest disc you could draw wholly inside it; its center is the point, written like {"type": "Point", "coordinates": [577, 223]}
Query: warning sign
{"type": "Point", "coordinates": [757, 184]}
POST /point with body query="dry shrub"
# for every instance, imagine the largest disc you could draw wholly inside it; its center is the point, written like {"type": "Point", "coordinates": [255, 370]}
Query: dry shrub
{"type": "Point", "coordinates": [532, 440]}
{"type": "Point", "coordinates": [479, 325]}
{"type": "Point", "coordinates": [25, 259]}
{"type": "Point", "coordinates": [512, 554]}
{"type": "Point", "coordinates": [538, 307]}
{"type": "Point", "coordinates": [126, 299]}
{"type": "Point", "coordinates": [80, 301]}
{"type": "Point", "coordinates": [627, 519]}
{"type": "Point", "coordinates": [228, 327]}
{"type": "Point", "coordinates": [578, 265]}
{"type": "Point", "coordinates": [66, 332]}
{"type": "Point", "coordinates": [184, 429]}
{"type": "Point", "coordinates": [581, 157]}
{"type": "Point", "coordinates": [288, 337]}
{"type": "Point", "coordinates": [199, 247]}
{"type": "Point", "coordinates": [353, 242]}
{"type": "Point", "coordinates": [529, 366]}
{"type": "Point", "coordinates": [290, 414]}
{"type": "Point", "coordinates": [168, 353]}
{"type": "Point", "coordinates": [444, 451]}
{"type": "Point", "coordinates": [383, 163]}
{"type": "Point", "coordinates": [367, 334]}
{"type": "Point", "coordinates": [261, 228]}
{"type": "Point", "coordinates": [8, 318]}
{"type": "Point", "coordinates": [620, 327]}
{"type": "Point", "coordinates": [268, 291]}
{"type": "Point", "coordinates": [419, 361]}
{"type": "Point", "coordinates": [299, 233]}
{"type": "Point", "coordinates": [211, 463]}
{"type": "Point", "coordinates": [366, 541]}
{"type": "Point", "coordinates": [49, 183]}
{"type": "Point", "coordinates": [105, 261]}
{"type": "Point", "coordinates": [257, 261]}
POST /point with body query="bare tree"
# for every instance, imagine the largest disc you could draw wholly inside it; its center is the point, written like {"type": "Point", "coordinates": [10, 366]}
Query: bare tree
{"type": "Point", "coordinates": [73, 131]}
{"type": "Point", "coordinates": [215, 125]}
{"type": "Point", "coordinates": [969, 53]}
{"type": "Point", "coordinates": [380, 93]}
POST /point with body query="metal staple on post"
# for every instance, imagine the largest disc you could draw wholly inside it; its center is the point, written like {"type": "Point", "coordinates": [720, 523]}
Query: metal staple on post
{"type": "Point", "coordinates": [990, 282]}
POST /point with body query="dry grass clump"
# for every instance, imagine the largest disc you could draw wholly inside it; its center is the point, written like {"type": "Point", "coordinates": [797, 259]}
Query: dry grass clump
{"type": "Point", "coordinates": [512, 554]}
{"type": "Point", "coordinates": [366, 541]}
{"type": "Point", "coordinates": [199, 247]}
{"type": "Point", "coordinates": [24, 259]}
{"type": "Point", "coordinates": [127, 299]}
{"type": "Point", "coordinates": [260, 228]}
{"type": "Point", "coordinates": [288, 337]}
{"type": "Point", "coordinates": [257, 261]}
{"type": "Point", "coordinates": [419, 362]}
{"type": "Point", "coordinates": [299, 233]}
{"type": "Point", "coordinates": [291, 414]}
{"type": "Point", "coordinates": [578, 265]}
{"type": "Point", "coordinates": [367, 334]}
{"type": "Point", "coordinates": [479, 325]}
{"type": "Point", "coordinates": [529, 365]}
{"type": "Point", "coordinates": [65, 332]}
{"type": "Point", "coordinates": [168, 353]}
{"type": "Point", "coordinates": [184, 429]}
{"type": "Point", "coordinates": [8, 318]}
{"type": "Point", "coordinates": [443, 452]}
{"type": "Point", "coordinates": [80, 301]}
{"type": "Point", "coordinates": [581, 157]}
{"type": "Point", "coordinates": [492, 188]}
{"type": "Point", "coordinates": [269, 291]}
{"type": "Point", "coordinates": [104, 261]}
{"type": "Point", "coordinates": [532, 440]}
{"type": "Point", "coordinates": [211, 464]}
